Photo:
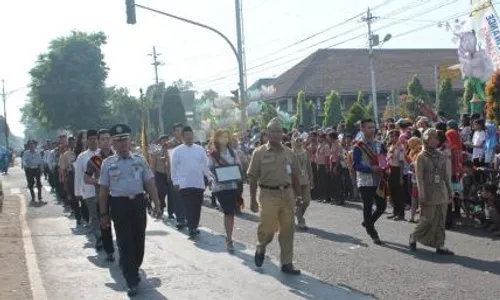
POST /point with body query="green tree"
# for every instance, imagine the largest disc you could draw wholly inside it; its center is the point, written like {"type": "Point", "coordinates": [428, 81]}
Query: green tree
{"type": "Point", "coordinates": [124, 108]}
{"type": "Point", "coordinates": [448, 102]}
{"type": "Point", "coordinates": [67, 89]}
{"type": "Point", "coordinates": [332, 109]}
{"type": "Point", "coordinates": [304, 111]}
{"type": "Point", "coordinates": [33, 128]}
{"type": "Point", "coordinates": [173, 109]}
{"type": "Point", "coordinates": [183, 85]}
{"type": "Point", "coordinates": [356, 113]}
{"type": "Point", "coordinates": [467, 96]}
{"type": "Point", "coordinates": [492, 91]}
{"type": "Point", "coordinates": [416, 89]}
{"type": "Point", "coordinates": [268, 112]}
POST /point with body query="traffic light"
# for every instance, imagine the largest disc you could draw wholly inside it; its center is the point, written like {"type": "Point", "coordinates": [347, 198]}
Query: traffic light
{"type": "Point", "coordinates": [236, 96]}
{"type": "Point", "coordinates": [130, 4]}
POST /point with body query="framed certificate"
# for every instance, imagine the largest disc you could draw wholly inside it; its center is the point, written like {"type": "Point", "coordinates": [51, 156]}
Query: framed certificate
{"type": "Point", "coordinates": [228, 173]}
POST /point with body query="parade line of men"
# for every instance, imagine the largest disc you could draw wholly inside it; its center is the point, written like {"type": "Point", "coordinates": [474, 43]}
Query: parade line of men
{"type": "Point", "coordinates": [104, 182]}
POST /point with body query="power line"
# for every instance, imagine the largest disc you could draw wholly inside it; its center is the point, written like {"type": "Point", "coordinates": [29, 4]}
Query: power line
{"type": "Point", "coordinates": [451, 17]}
{"type": "Point", "coordinates": [434, 8]}
{"type": "Point", "coordinates": [312, 36]}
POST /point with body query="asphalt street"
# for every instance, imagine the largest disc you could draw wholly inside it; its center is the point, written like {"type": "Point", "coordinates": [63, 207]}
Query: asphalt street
{"type": "Point", "coordinates": [339, 259]}
{"type": "Point", "coordinates": [337, 250]}
{"type": "Point", "coordinates": [62, 263]}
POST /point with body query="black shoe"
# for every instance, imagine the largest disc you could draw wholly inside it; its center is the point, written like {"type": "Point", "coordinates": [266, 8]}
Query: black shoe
{"type": "Point", "coordinates": [398, 218]}
{"type": "Point", "coordinates": [289, 269]}
{"type": "Point", "coordinates": [444, 251]}
{"type": "Point", "coordinates": [196, 231]}
{"type": "Point", "coordinates": [171, 217]}
{"type": "Point", "coordinates": [98, 245]}
{"type": "Point", "coordinates": [192, 232]}
{"type": "Point", "coordinates": [259, 258]}
{"type": "Point", "coordinates": [110, 257]}
{"type": "Point", "coordinates": [413, 246]}
{"type": "Point", "coordinates": [181, 225]}
{"type": "Point", "coordinates": [391, 217]}
{"type": "Point", "coordinates": [376, 240]}
{"type": "Point", "coordinates": [132, 291]}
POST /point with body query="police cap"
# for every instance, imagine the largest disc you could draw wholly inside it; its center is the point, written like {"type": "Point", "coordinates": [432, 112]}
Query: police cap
{"type": "Point", "coordinates": [120, 131]}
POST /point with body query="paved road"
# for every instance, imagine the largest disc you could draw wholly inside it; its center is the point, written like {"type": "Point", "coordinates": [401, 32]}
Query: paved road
{"type": "Point", "coordinates": [338, 251]}
{"type": "Point", "coordinates": [62, 264]}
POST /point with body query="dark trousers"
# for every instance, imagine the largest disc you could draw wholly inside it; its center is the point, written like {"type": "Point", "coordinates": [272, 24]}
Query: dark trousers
{"type": "Point", "coordinates": [368, 195]}
{"type": "Point", "coordinates": [46, 171]}
{"type": "Point", "coordinates": [129, 219]}
{"type": "Point", "coordinates": [106, 234]}
{"type": "Point", "coordinates": [161, 180]}
{"type": "Point", "coordinates": [407, 187]}
{"type": "Point", "coordinates": [178, 205]}
{"type": "Point", "coordinates": [60, 190]}
{"type": "Point", "coordinates": [192, 199]}
{"type": "Point", "coordinates": [33, 175]}
{"type": "Point", "coordinates": [334, 186]}
{"type": "Point", "coordinates": [79, 207]}
{"type": "Point", "coordinates": [314, 191]}
{"type": "Point", "coordinates": [52, 179]}
{"type": "Point", "coordinates": [323, 181]}
{"type": "Point", "coordinates": [396, 189]}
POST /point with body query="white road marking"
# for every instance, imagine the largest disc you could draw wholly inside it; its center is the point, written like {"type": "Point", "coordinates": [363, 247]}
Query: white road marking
{"type": "Point", "coordinates": [15, 191]}
{"type": "Point", "coordinates": [36, 283]}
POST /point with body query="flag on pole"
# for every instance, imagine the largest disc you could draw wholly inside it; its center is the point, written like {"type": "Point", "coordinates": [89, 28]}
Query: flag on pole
{"type": "Point", "coordinates": [144, 131]}
{"type": "Point", "coordinates": [486, 24]}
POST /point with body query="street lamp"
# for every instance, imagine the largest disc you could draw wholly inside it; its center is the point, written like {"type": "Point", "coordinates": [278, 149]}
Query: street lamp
{"type": "Point", "coordinates": [238, 52]}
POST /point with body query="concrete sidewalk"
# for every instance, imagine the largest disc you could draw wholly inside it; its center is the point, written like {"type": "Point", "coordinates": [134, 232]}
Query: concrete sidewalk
{"type": "Point", "coordinates": [174, 267]}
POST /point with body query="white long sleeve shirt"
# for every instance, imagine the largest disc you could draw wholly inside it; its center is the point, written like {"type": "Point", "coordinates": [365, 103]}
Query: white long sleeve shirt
{"type": "Point", "coordinates": [86, 191]}
{"type": "Point", "coordinates": [189, 166]}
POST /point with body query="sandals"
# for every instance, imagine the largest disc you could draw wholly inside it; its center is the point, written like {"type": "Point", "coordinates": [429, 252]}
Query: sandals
{"type": "Point", "coordinates": [229, 246]}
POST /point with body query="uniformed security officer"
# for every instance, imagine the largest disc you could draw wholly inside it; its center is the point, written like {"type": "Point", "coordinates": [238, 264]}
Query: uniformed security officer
{"type": "Point", "coordinates": [275, 170]}
{"type": "Point", "coordinates": [33, 166]}
{"type": "Point", "coordinates": [123, 177]}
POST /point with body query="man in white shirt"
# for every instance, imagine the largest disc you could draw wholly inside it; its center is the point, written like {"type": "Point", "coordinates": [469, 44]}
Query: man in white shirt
{"type": "Point", "coordinates": [189, 166]}
{"type": "Point", "coordinates": [87, 191]}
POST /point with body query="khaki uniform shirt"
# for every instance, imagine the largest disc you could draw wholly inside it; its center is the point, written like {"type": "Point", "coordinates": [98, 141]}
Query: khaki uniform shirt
{"type": "Point", "coordinates": [304, 161]}
{"type": "Point", "coordinates": [66, 161]}
{"type": "Point", "coordinates": [160, 161]}
{"type": "Point", "coordinates": [172, 143]}
{"type": "Point", "coordinates": [273, 168]}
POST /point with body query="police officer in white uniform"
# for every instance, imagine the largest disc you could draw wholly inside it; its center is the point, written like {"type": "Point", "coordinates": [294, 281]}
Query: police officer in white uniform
{"type": "Point", "coordinates": [122, 180]}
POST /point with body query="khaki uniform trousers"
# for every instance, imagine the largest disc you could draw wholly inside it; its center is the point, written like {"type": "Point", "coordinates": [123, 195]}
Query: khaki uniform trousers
{"type": "Point", "coordinates": [277, 212]}
{"type": "Point", "coordinates": [306, 200]}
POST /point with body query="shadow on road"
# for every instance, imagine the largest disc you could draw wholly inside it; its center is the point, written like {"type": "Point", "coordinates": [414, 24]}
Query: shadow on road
{"type": "Point", "coordinates": [148, 288]}
{"type": "Point", "coordinates": [304, 286]}
{"type": "Point", "coordinates": [464, 261]}
{"type": "Point", "coordinates": [335, 237]}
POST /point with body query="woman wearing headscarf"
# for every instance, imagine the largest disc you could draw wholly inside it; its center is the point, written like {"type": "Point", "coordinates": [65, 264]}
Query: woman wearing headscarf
{"type": "Point", "coordinates": [435, 193]}
{"type": "Point", "coordinates": [455, 146]}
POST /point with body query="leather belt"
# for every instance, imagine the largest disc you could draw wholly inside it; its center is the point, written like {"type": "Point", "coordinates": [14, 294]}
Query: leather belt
{"type": "Point", "coordinates": [274, 188]}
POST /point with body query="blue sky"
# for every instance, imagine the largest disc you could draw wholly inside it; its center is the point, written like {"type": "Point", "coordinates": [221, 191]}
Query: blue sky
{"type": "Point", "coordinates": [272, 30]}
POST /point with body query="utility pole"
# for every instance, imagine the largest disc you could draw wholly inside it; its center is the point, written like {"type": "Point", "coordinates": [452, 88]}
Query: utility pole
{"type": "Point", "coordinates": [158, 95]}
{"type": "Point", "coordinates": [6, 127]}
{"type": "Point", "coordinates": [373, 40]}
{"type": "Point", "coordinates": [237, 51]}
{"type": "Point", "coordinates": [241, 65]}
